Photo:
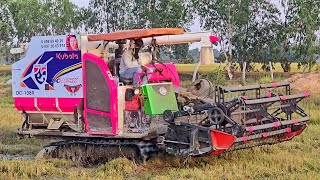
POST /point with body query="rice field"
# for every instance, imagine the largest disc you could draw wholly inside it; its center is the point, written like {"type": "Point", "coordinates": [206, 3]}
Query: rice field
{"type": "Point", "coordinates": [296, 159]}
{"type": "Point", "coordinates": [5, 69]}
{"type": "Point", "coordinates": [189, 68]}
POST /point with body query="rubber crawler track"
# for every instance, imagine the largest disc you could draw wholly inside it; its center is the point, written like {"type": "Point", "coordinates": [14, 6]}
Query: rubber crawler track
{"type": "Point", "coordinates": [94, 152]}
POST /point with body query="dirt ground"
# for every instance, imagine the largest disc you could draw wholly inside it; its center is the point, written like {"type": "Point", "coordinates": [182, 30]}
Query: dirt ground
{"type": "Point", "coordinates": [305, 82]}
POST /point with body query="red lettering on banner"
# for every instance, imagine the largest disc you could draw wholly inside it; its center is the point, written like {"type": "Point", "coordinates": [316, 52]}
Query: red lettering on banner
{"type": "Point", "coordinates": [65, 56]}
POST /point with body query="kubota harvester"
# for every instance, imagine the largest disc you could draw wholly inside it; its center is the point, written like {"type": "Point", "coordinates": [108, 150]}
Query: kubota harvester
{"type": "Point", "coordinates": [68, 90]}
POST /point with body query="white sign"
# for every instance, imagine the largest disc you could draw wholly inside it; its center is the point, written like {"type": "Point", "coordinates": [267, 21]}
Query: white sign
{"type": "Point", "coordinates": [52, 68]}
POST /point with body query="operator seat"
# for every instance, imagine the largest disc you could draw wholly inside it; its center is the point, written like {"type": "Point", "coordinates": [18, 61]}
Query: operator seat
{"type": "Point", "coordinates": [126, 81]}
{"type": "Point", "coordinates": [145, 58]}
{"type": "Point", "coordinates": [114, 66]}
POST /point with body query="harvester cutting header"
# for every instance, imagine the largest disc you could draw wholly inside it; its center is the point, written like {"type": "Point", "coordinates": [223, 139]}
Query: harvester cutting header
{"type": "Point", "coordinates": [100, 96]}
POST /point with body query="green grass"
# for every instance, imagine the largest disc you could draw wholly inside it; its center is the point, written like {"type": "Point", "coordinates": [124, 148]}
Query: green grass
{"type": "Point", "coordinates": [288, 160]}
{"type": "Point", "coordinates": [5, 69]}
{"type": "Point", "coordinates": [4, 78]}
{"type": "Point", "coordinates": [9, 143]}
{"type": "Point", "coordinates": [189, 68]}
{"type": "Point", "coordinates": [295, 159]}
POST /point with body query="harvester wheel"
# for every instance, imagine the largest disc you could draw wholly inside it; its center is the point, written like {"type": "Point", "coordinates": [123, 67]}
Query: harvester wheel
{"type": "Point", "coordinates": [215, 116]}
{"type": "Point", "coordinates": [168, 116]}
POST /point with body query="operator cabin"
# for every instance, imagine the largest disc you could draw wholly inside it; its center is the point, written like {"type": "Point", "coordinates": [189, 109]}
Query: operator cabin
{"type": "Point", "coordinates": [126, 62]}
{"type": "Point", "coordinates": [129, 57]}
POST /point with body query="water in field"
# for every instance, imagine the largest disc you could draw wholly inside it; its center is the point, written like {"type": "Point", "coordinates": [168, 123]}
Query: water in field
{"type": "Point", "coordinates": [16, 157]}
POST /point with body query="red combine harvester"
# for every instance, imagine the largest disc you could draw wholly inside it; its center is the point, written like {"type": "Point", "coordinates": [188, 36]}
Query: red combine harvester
{"type": "Point", "coordinates": [78, 100]}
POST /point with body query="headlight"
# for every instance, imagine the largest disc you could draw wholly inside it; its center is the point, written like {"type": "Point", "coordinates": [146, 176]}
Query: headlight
{"type": "Point", "coordinates": [136, 91]}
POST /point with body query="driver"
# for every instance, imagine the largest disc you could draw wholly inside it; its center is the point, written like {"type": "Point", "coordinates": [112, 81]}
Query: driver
{"type": "Point", "coordinates": [131, 64]}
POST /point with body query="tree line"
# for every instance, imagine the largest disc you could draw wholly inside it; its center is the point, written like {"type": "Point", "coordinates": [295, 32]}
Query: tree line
{"type": "Point", "coordinates": [250, 30]}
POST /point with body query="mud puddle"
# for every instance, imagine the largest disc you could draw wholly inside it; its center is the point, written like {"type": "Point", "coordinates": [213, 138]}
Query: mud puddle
{"type": "Point", "coordinates": [16, 157]}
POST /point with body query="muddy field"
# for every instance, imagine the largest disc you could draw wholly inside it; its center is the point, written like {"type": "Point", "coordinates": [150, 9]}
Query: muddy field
{"type": "Point", "coordinates": [296, 159]}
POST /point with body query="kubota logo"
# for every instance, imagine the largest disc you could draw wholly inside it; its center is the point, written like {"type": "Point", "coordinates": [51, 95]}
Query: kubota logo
{"type": "Point", "coordinates": [163, 91]}
{"type": "Point", "coordinates": [67, 56]}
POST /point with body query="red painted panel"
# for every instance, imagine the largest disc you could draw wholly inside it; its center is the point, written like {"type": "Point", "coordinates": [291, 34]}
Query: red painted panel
{"type": "Point", "coordinates": [168, 73]}
{"type": "Point", "coordinates": [47, 104]}
{"type": "Point", "coordinates": [221, 141]}
{"type": "Point", "coordinates": [68, 104]}
{"type": "Point", "coordinates": [24, 103]}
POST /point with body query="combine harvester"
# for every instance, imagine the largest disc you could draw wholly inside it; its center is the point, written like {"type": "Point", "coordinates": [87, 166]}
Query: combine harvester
{"type": "Point", "coordinates": [71, 93]}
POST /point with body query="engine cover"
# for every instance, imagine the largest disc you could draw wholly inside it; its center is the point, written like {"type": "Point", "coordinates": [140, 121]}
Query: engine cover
{"type": "Point", "coordinates": [158, 98]}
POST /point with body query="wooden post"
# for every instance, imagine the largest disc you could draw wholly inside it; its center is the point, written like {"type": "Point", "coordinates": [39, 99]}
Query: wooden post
{"type": "Point", "coordinates": [244, 71]}
{"type": "Point", "coordinates": [271, 69]}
